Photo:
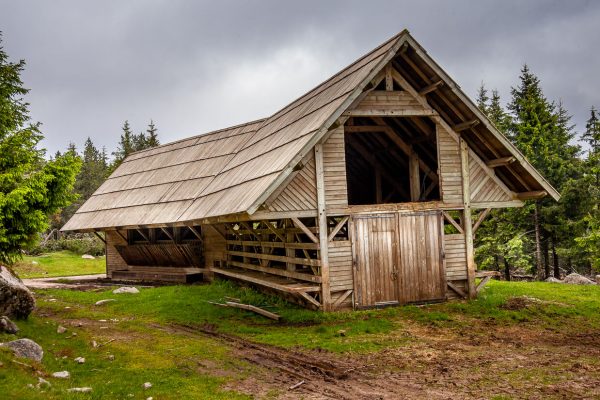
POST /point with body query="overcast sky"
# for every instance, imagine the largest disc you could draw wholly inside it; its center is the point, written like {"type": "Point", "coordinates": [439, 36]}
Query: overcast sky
{"type": "Point", "coordinates": [195, 66]}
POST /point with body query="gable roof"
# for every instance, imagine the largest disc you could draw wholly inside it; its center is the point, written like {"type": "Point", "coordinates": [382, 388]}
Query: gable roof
{"type": "Point", "coordinates": [235, 170]}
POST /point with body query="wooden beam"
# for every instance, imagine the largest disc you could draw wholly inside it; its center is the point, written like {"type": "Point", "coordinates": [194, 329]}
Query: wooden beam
{"type": "Point", "coordinates": [482, 216]}
{"type": "Point", "coordinates": [122, 237]}
{"type": "Point", "coordinates": [168, 234]}
{"type": "Point", "coordinates": [343, 297]}
{"type": "Point", "coordinates": [198, 235]}
{"type": "Point", "coordinates": [463, 126]}
{"type": "Point", "coordinates": [391, 113]}
{"type": "Point", "coordinates": [254, 309]}
{"type": "Point", "coordinates": [304, 229]}
{"type": "Point", "coordinates": [264, 282]}
{"type": "Point", "coordinates": [534, 195]}
{"type": "Point", "coordinates": [337, 228]}
{"type": "Point", "coordinates": [322, 223]}
{"type": "Point", "coordinates": [449, 218]}
{"type": "Point", "coordinates": [271, 257]}
{"type": "Point", "coordinates": [456, 289]}
{"type": "Point", "coordinates": [100, 237]}
{"type": "Point", "coordinates": [275, 271]}
{"type": "Point", "coordinates": [270, 227]}
{"type": "Point", "coordinates": [310, 299]}
{"type": "Point", "coordinates": [501, 162]}
{"type": "Point", "coordinates": [431, 88]}
{"type": "Point", "coordinates": [467, 222]}
{"type": "Point", "coordinates": [414, 176]}
{"type": "Point", "coordinates": [389, 82]}
{"type": "Point", "coordinates": [378, 194]}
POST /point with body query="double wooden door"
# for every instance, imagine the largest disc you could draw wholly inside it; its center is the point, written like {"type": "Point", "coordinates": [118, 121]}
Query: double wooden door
{"type": "Point", "coordinates": [398, 258]}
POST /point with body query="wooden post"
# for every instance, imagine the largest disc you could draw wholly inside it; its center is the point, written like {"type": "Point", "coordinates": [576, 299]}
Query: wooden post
{"type": "Point", "coordinates": [414, 178]}
{"type": "Point", "coordinates": [378, 192]}
{"type": "Point", "coordinates": [323, 234]}
{"type": "Point", "coordinates": [467, 220]}
{"type": "Point", "coordinates": [289, 238]}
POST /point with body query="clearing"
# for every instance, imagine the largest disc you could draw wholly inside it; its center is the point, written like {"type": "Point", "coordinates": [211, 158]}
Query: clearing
{"type": "Point", "coordinates": [60, 263]}
{"type": "Point", "coordinates": [518, 340]}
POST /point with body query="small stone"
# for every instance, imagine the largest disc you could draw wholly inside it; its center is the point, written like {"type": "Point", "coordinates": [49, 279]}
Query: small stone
{"type": "Point", "coordinates": [34, 262]}
{"type": "Point", "coordinates": [80, 360]}
{"type": "Point", "coordinates": [6, 325]}
{"type": "Point", "coordinates": [53, 300]}
{"type": "Point", "coordinates": [598, 279]}
{"type": "Point", "coordinates": [341, 332]}
{"type": "Point", "coordinates": [111, 357]}
{"type": "Point", "coordinates": [100, 302]}
{"type": "Point", "coordinates": [101, 320]}
{"type": "Point", "coordinates": [61, 329]}
{"type": "Point", "coordinates": [147, 385]}
{"type": "Point", "coordinates": [553, 280]}
{"type": "Point", "coordinates": [30, 386]}
{"type": "Point", "coordinates": [94, 343]}
{"type": "Point", "coordinates": [25, 348]}
{"type": "Point", "coordinates": [43, 382]}
{"type": "Point", "coordinates": [126, 289]}
{"type": "Point", "coordinates": [80, 390]}
{"type": "Point", "coordinates": [62, 374]}
{"type": "Point", "coordinates": [88, 257]}
{"type": "Point", "coordinates": [149, 398]}
{"type": "Point", "coordinates": [67, 308]}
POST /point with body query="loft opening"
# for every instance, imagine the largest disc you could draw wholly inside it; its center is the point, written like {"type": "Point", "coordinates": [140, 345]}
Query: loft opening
{"type": "Point", "coordinates": [391, 160]}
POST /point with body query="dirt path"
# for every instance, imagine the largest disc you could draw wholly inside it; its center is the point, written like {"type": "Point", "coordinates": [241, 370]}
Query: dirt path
{"type": "Point", "coordinates": [59, 282]}
{"type": "Point", "coordinates": [512, 362]}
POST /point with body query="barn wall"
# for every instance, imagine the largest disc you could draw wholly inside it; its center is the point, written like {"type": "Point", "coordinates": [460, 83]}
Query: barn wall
{"type": "Point", "coordinates": [456, 261]}
{"type": "Point", "coordinates": [215, 246]}
{"type": "Point", "coordinates": [483, 187]}
{"type": "Point", "coordinates": [300, 193]}
{"type": "Point", "coordinates": [114, 261]}
{"type": "Point", "coordinates": [449, 167]}
{"type": "Point", "coordinates": [334, 169]}
{"type": "Point", "coordinates": [340, 271]}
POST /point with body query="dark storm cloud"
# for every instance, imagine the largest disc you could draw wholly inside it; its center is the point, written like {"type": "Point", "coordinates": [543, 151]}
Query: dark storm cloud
{"type": "Point", "coordinates": [194, 66]}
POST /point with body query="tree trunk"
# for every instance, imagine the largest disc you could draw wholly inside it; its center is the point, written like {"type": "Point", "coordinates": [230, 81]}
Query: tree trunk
{"type": "Point", "coordinates": [506, 269]}
{"type": "Point", "coordinates": [538, 244]}
{"type": "Point", "coordinates": [556, 264]}
{"type": "Point", "coordinates": [546, 254]}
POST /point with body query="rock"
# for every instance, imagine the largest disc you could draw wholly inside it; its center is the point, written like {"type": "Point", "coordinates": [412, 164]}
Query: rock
{"type": "Point", "coordinates": [147, 385]}
{"type": "Point", "coordinates": [88, 257]}
{"type": "Point", "coordinates": [149, 398]}
{"type": "Point", "coordinates": [61, 329]}
{"type": "Point", "coordinates": [34, 263]}
{"type": "Point", "coordinates": [42, 382]}
{"type": "Point", "coordinates": [598, 279]}
{"type": "Point", "coordinates": [7, 326]}
{"type": "Point", "coordinates": [25, 348]}
{"type": "Point", "coordinates": [80, 360]}
{"type": "Point", "coordinates": [80, 390]}
{"type": "Point", "coordinates": [111, 357]}
{"type": "Point", "coordinates": [16, 300]}
{"type": "Point", "coordinates": [126, 289]}
{"type": "Point", "coordinates": [341, 332]}
{"type": "Point", "coordinates": [577, 279]}
{"type": "Point", "coordinates": [553, 280]}
{"type": "Point", "coordinates": [62, 374]}
{"type": "Point", "coordinates": [100, 302]}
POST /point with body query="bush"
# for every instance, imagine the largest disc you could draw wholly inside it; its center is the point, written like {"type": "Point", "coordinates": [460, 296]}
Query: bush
{"type": "Point", "coordinates": [78, 244]}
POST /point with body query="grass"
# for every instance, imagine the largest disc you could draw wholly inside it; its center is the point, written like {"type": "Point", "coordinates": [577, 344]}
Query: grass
{"type": "Point", "coordinates": [62, 263]}
{"type": "Point", "coordinates": [183, 367]}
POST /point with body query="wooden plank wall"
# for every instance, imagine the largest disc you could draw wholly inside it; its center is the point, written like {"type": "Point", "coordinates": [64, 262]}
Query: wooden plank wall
{"type": "Point", "coordinates": [340, 271]}
{"type": "Point", "coordinates": [388, 101]}
{"type": "Point", "coordinates": [456, 262]}
{"type": "Point", "coordinates": [449, 167]}
{"type": "Point", "coordinates": [300, 193]}
{"type": "Point", "coordinates": [334, 168]}
{"type": "Point", "coordinates": [483, 187]}
{"type": "Point", "coordinates": [215, 247]}
{"type": "Point", "coordinates": [114, 261]}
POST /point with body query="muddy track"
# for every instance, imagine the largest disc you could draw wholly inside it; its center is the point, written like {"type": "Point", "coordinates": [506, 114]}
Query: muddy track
{"type": "Point", "coordinates": [325, 376]}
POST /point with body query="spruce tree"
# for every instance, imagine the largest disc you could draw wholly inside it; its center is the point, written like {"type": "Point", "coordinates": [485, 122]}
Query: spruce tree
{"type": "Point", "coordinates": [31, 187]}
{"type": "Point", "coordinates": [152, 135]}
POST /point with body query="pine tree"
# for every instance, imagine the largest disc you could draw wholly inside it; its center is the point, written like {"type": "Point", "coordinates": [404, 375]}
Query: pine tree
{"type": "Point", "coordinates": [482, 98]}
{"type": "Point", "coordinates": [31, 188]}
{"type": "Point", "coordinates": [152, 136]}
{"type": "Point", "coordinates": [126, 143]}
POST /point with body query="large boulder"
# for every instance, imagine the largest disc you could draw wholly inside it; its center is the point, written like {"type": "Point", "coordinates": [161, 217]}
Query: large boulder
{"type": "Point", "coordinates": [7, 326]}
{"type": "Point", "coordinates": [25, 348]}
{"type": "Point", "coordinates": [577, 279]}
{"type": "Point", "coordinates": [16, 301]}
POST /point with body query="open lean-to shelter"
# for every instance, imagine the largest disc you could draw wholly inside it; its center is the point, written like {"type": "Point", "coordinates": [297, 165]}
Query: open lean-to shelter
{"type": "Point", "coordinates": [364, 192]}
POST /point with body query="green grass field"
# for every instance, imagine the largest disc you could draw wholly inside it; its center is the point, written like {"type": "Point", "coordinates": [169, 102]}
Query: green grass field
{"type": "Point", "coordinates": [62, 263]}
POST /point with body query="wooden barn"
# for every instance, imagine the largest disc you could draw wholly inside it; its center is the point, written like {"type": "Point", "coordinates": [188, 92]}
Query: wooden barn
{"type": "Point", "coordinates": [364, 192]}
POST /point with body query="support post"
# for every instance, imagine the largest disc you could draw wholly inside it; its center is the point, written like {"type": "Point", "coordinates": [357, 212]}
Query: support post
{"type": "Point", "coordinates": [415, 180]}
{"type": "Point", "coordinates": [323, 234]}
{"type": "Point", "coordinates": [467, 219]}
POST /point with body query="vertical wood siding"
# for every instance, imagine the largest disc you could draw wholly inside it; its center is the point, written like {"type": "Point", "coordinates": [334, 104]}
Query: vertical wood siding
{"type": "Point", "coordinates": [456, 261]}
{"type": "Point", "coordinates": [215, 246]}
{"type": "Point", "coordinates": [449, 167]}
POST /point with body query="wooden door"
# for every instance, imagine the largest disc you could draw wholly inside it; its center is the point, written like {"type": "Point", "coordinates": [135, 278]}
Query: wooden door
{"type": "Point", "coordinates": [397, 258]}
{"type": "Point", "coordinates": [421, 272]}
{"type": "Point", "coordinates": [375, 253]}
